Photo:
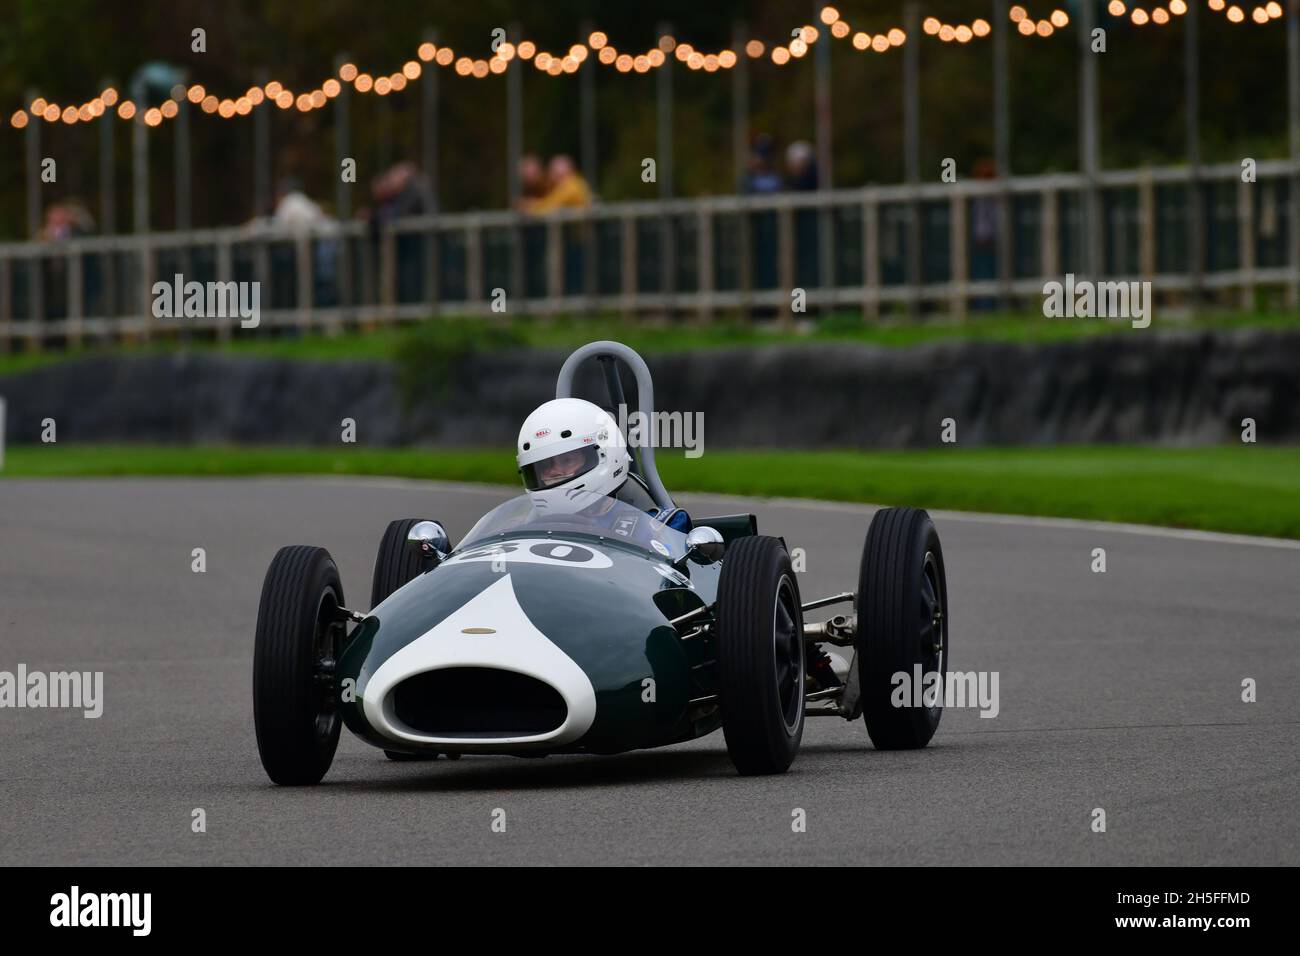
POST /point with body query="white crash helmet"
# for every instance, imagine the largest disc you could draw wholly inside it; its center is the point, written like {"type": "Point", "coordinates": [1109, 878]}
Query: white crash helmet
{"type": "Point", "coordinates": [569, 451]}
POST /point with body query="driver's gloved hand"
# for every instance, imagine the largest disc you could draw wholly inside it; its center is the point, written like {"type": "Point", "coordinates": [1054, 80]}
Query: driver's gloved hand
{"type": "Point", "coordinates": [675, 518]}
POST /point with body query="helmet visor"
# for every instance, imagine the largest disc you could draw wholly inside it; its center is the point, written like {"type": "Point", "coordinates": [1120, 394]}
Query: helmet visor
{"type": "Point", "coordinates": [560, 468]}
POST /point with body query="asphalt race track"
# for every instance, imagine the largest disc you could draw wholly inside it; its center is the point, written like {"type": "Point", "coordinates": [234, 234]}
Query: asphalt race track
{"type": "Point", "coordinates": [1119, 690]}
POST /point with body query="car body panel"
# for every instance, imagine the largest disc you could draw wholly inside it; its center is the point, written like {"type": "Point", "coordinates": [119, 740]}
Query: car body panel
{"type": "Point", "coordinates": [587, 614]}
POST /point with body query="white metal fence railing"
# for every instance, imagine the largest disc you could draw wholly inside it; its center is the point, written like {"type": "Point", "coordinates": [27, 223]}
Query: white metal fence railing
{"type": "Point", "coordinates": [968, 245]}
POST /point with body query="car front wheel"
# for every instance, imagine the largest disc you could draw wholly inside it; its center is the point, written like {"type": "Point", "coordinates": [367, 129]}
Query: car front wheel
{"type": "Point", "coordinates": [760, 652]}
{"type": "Point", "coordinates": [902, 607]}
{"type": "Point", "coordinates": [299, 637]}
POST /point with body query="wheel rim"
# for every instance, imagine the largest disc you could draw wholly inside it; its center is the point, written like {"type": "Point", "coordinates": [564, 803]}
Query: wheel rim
{"type": "Point", "coordinates": [788, 652]}
{"type": "Point", "coordinates": [932, 637]}
{"type": "Point", "coordinates": [326, 641]}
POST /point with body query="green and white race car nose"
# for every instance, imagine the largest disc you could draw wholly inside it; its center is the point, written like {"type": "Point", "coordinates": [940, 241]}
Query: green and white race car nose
{"type": "Point", "coordinates": [488, 642]}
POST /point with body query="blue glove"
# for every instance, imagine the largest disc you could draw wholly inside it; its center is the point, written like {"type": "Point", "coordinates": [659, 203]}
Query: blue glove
{"type": "Point", "coordinates": [677, 519]}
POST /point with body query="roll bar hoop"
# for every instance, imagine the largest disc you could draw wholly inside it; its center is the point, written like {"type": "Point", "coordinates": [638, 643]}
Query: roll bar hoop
{"type": "Point", "coordinates": [607, 352]}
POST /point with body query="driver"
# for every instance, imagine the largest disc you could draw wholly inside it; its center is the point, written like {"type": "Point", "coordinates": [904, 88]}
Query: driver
{"type": "Point", "coordinates": [570, 449]}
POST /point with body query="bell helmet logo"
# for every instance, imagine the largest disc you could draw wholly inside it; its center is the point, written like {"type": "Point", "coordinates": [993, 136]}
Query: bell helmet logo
{"type": "Point", "coordinates": [541, 433]}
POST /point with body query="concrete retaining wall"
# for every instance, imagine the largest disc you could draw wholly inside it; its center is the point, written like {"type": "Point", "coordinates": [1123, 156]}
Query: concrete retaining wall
{"type": "Point", "coordinates": [1185, 388]}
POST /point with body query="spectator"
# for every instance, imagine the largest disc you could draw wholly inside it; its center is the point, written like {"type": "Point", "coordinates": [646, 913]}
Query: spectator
{"type": "Point", "coordinates": [294, 209]}
{"type": "Point", "coordinates": [532, 179]}
{"type": "Point", "coordinates": [68, 219]}
{"type": "Point", "coordinates": [762, 176]}
{"type": "Point", "coordinates": [801, 166]}
{"type": "Point", "coordinates": [801, 176]}
{"type": "Point", "coordinates": [399, 191]}
{"type": "Point", "coordinates": [567, 188]}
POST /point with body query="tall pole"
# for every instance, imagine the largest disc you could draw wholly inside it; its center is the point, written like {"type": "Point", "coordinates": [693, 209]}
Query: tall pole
{"type": "Point", "coordinates": [588, 133]}
{"type": "Point", "coordinates": [664, 88]}
{"type": "Point", "coordinates": [32, 140]}
{"type": "Point", "coordinates": [36, 288]}
{"type": "Point", "coordinates": [429, 123]}
{"type": "Point", "coordinates": [1001, 91]}
{"type": "Point", "coordinates": [141, 171]}
{"type": "Point", "coordinates": [1089, 142]}
{"type": "Point", "coordinates": [384, 120]}
{"type": "Point", "coordinates": [911, 93]}
{"type": "Point", "coordinates": [822, 101]}
{"type": "Point", "coordinates": [262, 154]}
{"type": "Point", "coordinates": [515, 122]}
{"type": "Point", "coordinates": [825, 154]}
{"type": "Point", "coordinates": [587, 111]}
{"type": "Point", "coordinates": [740, 160]}
{"type": "Point", "coordinates": [343, 190]}
{"type": "Point", "coordinates": [140, 198]}
{"type": "Point", "coordinates": [184, 194]}
{"type": "Point", "coordinates": [1293, 110]}
{"type": "Point", "coordinates": [1195, 220]}
{"type": "Point", "coordinates": [1002, 146]}
{"type": "Point", "coordinates": [912, 145]}
{"type": "Point", "coordinates": [181, 182]}
{"type": "Point", "coordinates": [107, 190]}
{"type": "Point", "coordinates": [107, 203]}
{"type": "Point", "coordinates": [514, 153]}
{"type": "Point", "coordinates": [140, 166]}
{"type": "Point", "coordinates": [667, 243]}
{"type": "Point", "coordinates": [739, 107]}
{"type": "Point", "coordinates": [343, 142]}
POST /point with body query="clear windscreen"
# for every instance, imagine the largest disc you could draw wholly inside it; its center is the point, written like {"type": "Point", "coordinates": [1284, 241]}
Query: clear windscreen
{"type": "Point", "coordinates": [580, 512]}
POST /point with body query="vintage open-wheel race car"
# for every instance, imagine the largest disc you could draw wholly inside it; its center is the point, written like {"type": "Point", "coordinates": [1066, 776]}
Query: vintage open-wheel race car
{"type": "Point", "coordinates": [600, 630]}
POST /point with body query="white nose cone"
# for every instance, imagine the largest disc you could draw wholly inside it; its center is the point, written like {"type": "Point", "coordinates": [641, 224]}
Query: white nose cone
{"type": "Point", "coordinates": [490, 630]}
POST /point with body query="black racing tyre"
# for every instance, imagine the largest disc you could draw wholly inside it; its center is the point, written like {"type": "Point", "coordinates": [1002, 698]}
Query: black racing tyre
{"type": "Point", "coordinates": [299, 636]}
{"type": "Point", "coordinates": [902, 607]}
{"type": "Point", "coordinates": [399, 757]}
{"type": "Point", "coordinates": [758, 637]}
{"type": "Point", "coordinates": [396, 563]}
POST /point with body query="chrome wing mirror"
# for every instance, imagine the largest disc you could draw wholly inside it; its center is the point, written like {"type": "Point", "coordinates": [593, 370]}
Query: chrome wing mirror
{"type": "Point", "coordinates": [704, 545]}
{"type": "Point", "coordinates": [429, 539]}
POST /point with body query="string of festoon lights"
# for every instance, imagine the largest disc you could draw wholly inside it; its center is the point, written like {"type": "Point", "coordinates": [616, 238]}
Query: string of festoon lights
{"type": "Point", "coordinates": [1045, 27]}
{"type": "Point", "coordinates": [959, 33]}
{"type": "Point", "coordinates": [1262, 12]}
{"type": "Point", "coordinates": [1141, 15]}
{"type": "Point", "coordinates": [597, 46]}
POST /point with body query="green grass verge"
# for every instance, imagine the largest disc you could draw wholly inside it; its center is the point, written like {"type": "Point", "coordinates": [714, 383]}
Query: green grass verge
{"type": "Point", "coordinates": [452, 337]}
{"type": "Point", "coordinates": [1245, 488]}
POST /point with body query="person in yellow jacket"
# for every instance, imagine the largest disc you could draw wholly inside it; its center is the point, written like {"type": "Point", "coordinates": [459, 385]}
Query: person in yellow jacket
{"type": "Point", "coordinates": [568, 190]}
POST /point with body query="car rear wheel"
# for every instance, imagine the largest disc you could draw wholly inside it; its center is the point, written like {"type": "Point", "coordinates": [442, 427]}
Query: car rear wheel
{"type": "Point", "coordinates": [299, 636]}
{"type": "Point", "coordinates": [396, 563]}
{"type": "Point", "coordinates": [760, 651]}
{"type": "Point", "coordinates": [902, 607]}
